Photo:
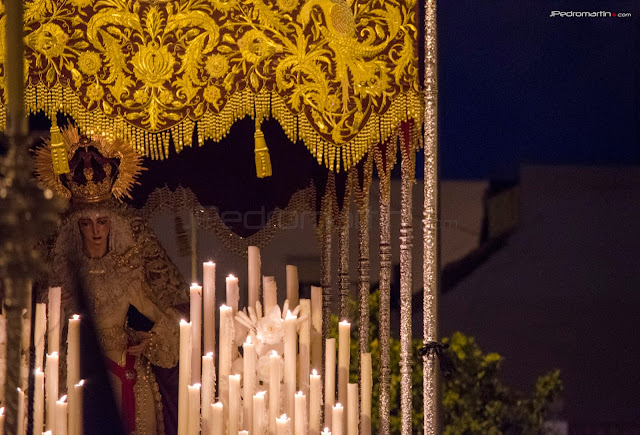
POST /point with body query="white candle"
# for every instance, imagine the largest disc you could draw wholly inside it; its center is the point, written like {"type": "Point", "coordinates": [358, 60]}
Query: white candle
{"type": "Point", "coordinates": [54, 320]}
{"type": "Point", "coordinates": [73, 366]}
{"type": "Point", "coordinates": [352, 409]}
{"type": "Point", "coordinates": [366, 382]}
{"type": "Point", "coordinates": [337, 418]}
{"type": "Point", "coordinates": [243, 432]}
{"type": "Point", "coordinates": [259, 413]}
{"type": "Point", "coordinates": [2, 421]}
{"type": "Point", "coordinates": [254, 275]}
{"type": "Point", "coordinates": [77, 410]}
{"type": "Point", "coordinates": [304, 340]}
{"type": "Point", "coordinates": [290, 353]}
{"type": "Point", "coordinates": [39, 334]}
{"type": "Point", "coordinates": [38, 402]}
{"type": "Point", "coordinates": [315, 400]}
{"type": "Point", "coordinates": [196, 332]}
{"type": "Point", "coordinates": [293, 288]}
{"type": "Point", "coordinates": [249, 378]}
{"type": "Point", "coordinates": [234, 404]}
{"type": "Point", "coordinates": [209, 305]}
{"type": "Point", "coordinates": [344, 348]}
{"type": "Point", "coordinates": [274, 390]}
{"type": "Point", "coordinates": [326, 431]}
{"type": "Point", "coordinates": [217, 419]}
{"type": "Point", "coordinates": [61, 416]}
{"type": "Point", "coordinates": [233, 293]}
{"type": "Point", "coordinates": [269, 293]}
{"type": "Point", "coordinates": [194, 409]}
{"type": "Point", "coordinates": [208, 390]}
{"type": "Point", "coordinates": [51, 388]}
{"type": "Point", "coordinates": [22, 428]}
{"type": "Point", "coordinates": [316, 326]}
{"type": "Point", "coordinates": [283, 425]}
{"type": "Point", "coordinates": [225, 354]}
{"type": "Point", "coordinates": [301, 413]}
{"type": "Point", "coordinates": [184, 376]}
{"type": "Point", "coordinates": [329, 379]}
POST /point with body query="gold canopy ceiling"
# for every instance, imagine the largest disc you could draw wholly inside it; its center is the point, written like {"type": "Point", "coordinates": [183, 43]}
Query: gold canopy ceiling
{"type": "Point", "coordinates": [338, 76]}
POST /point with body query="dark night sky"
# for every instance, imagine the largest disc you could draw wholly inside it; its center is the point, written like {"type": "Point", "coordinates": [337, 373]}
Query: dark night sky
{"type": "Point", "coordinates": [517, 86]}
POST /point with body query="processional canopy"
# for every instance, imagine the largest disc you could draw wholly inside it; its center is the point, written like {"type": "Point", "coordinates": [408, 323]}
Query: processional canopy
{"type": "Point", "coordinates": [338, 76]}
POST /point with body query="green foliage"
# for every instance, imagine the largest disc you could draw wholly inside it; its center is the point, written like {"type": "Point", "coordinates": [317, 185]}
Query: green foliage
{"type": "Point", "coordinates": [474, 399]}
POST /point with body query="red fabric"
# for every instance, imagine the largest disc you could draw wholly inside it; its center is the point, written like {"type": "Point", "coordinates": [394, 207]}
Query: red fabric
{"type": "Point", "coordinates": [128, 377]}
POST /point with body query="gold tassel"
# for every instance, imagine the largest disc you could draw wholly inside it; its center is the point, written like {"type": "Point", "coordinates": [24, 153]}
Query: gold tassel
{"type": "Point", "coordinates": [59, 158]}
{"type": "Point", "coordinates": [263, 160]}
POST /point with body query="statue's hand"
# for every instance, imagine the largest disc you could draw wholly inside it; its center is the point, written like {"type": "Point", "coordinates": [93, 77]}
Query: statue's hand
{"type": "Point", "coordinates": [137, 349]}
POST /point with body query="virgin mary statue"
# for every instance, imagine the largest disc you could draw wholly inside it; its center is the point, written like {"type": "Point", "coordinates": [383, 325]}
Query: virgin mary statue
{"type": "Point", "coordinates": [106, 260]}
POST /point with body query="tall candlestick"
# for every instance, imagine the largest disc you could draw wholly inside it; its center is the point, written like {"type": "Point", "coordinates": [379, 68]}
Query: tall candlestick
{"type": "Point", "coordinates": [249, 378]}
{"type": "Point", "coordinates": [209, 305]}
{"type": "Point", "coordinates": [290, 353]}
{"type": "Point", "coordinates": [78, 407]}
{"type": "Point", "coordinates": [254, 275]}
{"type": "Point", "coordinates": [301, 413]}
{"type": "Point", "coordinates": [61, 416]}
{"type": "Point", "coordinates": [366, 382]}
{"type": "Point", "coordinates": [316, 326]}
{"type": "Point", "coordinates": [233, 293]}
{"type": "Point", "coordinates": [293, 287]}
{"type": "Point", "coordinates": [38, 402]}
{"type": "Point", "coordinates": [329, 380]}
{"type": "Point", "coordinates": [283, 425]}
{"type": "Point", "coordinates": [54, 320]}
{"type": "Point", "coordinates": [184, 376]}
{"type": "Point", "coordinates": [259, 413]}
{"type": "Point", "coordinates": [352, 409]}
{"type": "Point", "coordinates": [304, 350]}
{"type": "Point", "coordinates": [73, 366]}
{"type": "Point", "coordinates": [51, 388]}
{"type": "Point", "coordinates": [208, 390]}
{"type": "Point", "coordinates": [269, 293]}
{"type": "Point", "coordinates": [337, 418]}
{"type": "Point", "coordinates": [344, 352]}
{"type": "Point", "coordinates": [225, 354]}
{"type": "Point", "coordinates": [193, 426]}
{"type": "Point", "coordinates": [39, 334]}
{"type": "Point", "coordinates": [274, 390]}
{"type": "Point", "coordinates": [22, 427]}
{"type": "Point", "coordinates": [234, 403]}
{"type": "Point", "coordinates": [217, 419]}
{"type": "Point", "coordinates": [315, 400]}
{"type": "Point", "coordinates": [196, 331]}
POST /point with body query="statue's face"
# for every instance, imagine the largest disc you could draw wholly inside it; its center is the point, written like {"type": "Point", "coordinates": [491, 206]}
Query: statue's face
{"type": "Point", "coordinates": [95, 234]}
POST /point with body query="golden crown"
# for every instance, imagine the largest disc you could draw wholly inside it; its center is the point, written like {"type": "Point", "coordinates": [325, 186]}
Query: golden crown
{"type": "Point", "coordinates": [93, 170]}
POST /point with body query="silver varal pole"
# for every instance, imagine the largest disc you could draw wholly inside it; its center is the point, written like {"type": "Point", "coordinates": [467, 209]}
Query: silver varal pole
{"type": "Point", "coordinates": [385, 300]}
{"type": "Point", "coordinates": [430, 220]}
{"type": "Point", "coordinates": [406, 284]}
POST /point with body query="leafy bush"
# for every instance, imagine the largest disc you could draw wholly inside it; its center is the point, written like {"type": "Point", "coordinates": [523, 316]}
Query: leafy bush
{"type": "Point", "coordinates": [474, 399]}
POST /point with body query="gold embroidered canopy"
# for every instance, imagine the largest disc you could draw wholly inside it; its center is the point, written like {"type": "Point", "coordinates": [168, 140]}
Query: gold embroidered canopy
{"type": "Point", "coordinates": [338, 76]}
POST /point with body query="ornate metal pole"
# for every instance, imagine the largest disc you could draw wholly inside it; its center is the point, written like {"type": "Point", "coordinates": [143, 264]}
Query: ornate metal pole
{"type": "Point", "coordinates": [430, 219]}
{"type": "Point", "coordinates": [25, 213]}
{"type": "Point", "coordinates": [406, 282]}
{"type": "Point", "coordinates": [385, 297]}
{"type": "Point", "coordinates": [343, 253]}
{"type": "Point", "coordinates": [326, 227]}
{"type": "Point", "coordinates": [364, 286]}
